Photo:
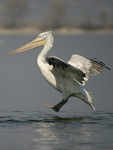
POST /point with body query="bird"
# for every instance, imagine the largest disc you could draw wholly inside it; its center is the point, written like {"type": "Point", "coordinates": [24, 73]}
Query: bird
{"type": "Point", "coordinates": [68, 78]}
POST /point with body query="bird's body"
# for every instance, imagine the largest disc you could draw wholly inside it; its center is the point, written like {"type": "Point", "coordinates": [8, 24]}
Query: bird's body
{"type": "Point", "coordinates": [67, 78]}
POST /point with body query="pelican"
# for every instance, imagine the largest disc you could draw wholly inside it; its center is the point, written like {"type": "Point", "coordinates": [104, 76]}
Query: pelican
{"type": "Point", "coordinates": [69, 77]}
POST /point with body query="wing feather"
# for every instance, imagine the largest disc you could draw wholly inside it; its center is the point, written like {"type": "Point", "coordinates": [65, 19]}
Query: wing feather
{"type": "Point", "coordinates": [66, 70]}
{"type": "Point", "coordinates": [88, 66]}
{"type": "Point", "coordinates": [77, 68]}
{"type": "Point", "coordinates": [97, 66]}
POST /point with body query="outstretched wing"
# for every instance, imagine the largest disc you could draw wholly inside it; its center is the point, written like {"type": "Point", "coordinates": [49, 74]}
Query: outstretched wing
{"type": "Point", "coordinates": [88, 66]}
{"type": "Point", "coordinates": [96, 67]}
{"type": "Point", "coordinates": [66, 70]}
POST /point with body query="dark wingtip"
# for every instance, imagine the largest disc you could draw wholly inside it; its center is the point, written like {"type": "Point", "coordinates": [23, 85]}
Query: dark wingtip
{"type": "Point", "coordinates": [107, 67]}
{"type": "Point", "coordinates": [99, 62]}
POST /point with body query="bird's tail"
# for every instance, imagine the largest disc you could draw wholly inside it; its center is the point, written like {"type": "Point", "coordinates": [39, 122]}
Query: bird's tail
{"type": "Point", "coordinates": [89, 99]}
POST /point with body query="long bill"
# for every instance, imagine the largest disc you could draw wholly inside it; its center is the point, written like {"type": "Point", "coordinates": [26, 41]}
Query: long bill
{"type": "Point", "coordinates": [33, 44]}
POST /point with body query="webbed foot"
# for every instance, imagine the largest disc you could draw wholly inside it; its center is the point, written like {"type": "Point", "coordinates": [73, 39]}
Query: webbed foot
{"type": "Point", "coordinates": [52, 107]}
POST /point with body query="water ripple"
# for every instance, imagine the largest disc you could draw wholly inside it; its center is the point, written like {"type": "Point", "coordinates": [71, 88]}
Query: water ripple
{"type": "Point", "coordinates": [55, 119]}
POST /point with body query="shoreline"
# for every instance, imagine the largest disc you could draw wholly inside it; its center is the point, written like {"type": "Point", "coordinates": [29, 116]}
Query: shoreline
{"type": "Point", "coordinates": [60, 31]}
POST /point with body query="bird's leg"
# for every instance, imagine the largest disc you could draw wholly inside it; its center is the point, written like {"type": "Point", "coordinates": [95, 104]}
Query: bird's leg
{"type": "Point", "coordinates": [57, 107]}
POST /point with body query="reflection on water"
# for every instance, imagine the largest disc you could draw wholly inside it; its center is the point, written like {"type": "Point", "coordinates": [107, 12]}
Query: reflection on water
{"type": "Point", "coordinates": [65, 131]}
{"type": "Point", "coordinates": [71, 132]}
{"type": "Point", "coordinates": [54, 132]}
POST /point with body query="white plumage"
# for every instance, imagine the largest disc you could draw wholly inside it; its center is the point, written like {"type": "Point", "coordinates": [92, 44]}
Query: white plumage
{"type": "Point", "coordinates": [67, 78]}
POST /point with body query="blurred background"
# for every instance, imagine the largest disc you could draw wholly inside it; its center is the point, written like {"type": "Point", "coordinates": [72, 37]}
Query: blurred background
{"type": "Point", "coordinates": [51, 14]}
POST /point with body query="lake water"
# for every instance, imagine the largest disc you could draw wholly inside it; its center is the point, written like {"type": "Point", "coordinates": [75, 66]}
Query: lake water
{"type": "Point", "coordinates": [26, 124]}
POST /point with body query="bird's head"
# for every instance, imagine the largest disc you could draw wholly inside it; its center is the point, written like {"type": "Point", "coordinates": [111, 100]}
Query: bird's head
{"type": "Point", "coordinates": [44, 38]}
{"type": "Point", "coordinates": [47, 36]}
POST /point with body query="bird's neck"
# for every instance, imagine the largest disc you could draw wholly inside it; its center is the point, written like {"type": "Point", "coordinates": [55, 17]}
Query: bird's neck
{"type": "Point", "coordinates": [42, 55]}
{"type": "Point", "coordinates": [47, 46]}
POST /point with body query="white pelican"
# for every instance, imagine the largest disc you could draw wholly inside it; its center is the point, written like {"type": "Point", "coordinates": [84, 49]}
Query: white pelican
{"type": "Point", "coordinates": [66, 77]}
